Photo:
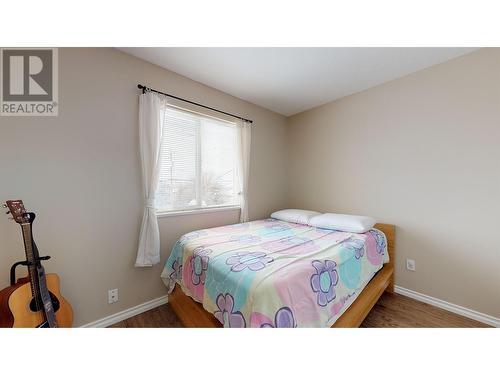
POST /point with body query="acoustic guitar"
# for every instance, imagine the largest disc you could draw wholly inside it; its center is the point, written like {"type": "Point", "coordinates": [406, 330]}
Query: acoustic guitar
{"type": "Point", "coordinates": [34, 301]}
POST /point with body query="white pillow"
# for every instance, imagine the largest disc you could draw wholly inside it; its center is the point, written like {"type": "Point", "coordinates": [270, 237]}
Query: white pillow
{"type": "Point", "coordinates": [295, 216]}
{"type": "Point", "coordinates": [344, 223]}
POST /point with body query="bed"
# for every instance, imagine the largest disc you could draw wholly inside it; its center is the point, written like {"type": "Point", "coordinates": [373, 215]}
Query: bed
{"type": "Point", "coordinates": [272, 273]}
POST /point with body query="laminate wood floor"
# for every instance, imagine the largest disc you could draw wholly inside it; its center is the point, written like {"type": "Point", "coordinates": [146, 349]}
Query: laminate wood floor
{"type": "Point", "coordinates": [397, 311]}
{"type": "Point", "coordinates": [391, 311]}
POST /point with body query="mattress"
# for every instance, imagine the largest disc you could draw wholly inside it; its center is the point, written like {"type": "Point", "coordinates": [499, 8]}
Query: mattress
{"type": "Point", "coordinates": [271, 273]}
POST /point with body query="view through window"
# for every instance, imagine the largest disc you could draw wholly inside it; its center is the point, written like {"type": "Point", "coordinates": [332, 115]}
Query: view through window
{"type": "Point", "coordinates": [199, 163]}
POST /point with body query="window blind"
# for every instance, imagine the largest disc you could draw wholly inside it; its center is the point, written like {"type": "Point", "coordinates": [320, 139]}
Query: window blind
{"type": "Point", "coordinates": [199, 165]}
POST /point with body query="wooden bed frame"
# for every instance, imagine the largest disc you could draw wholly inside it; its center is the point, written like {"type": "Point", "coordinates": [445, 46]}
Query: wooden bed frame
{"type": "Point", "coordinates": [193, 315]}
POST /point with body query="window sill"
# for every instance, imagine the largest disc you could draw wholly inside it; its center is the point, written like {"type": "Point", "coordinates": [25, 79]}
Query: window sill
{"type": "Point", "coordinates": [196, 211]}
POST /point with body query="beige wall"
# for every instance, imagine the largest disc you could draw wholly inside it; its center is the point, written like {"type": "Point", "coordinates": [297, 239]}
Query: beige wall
{"type": "Point", "coordinates": [421, 152]}
{"type": "Point", "coordinates": [80, 173]}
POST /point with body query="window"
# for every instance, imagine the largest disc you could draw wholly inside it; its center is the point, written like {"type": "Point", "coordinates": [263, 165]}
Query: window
{"type": "Point", "coordinates": [199, 163]}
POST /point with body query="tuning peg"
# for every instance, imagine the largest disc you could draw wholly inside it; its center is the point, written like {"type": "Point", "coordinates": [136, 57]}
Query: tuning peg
{"type": "Point", "coordinates": [4, 205]}
{"type": "Point", "coordinates": [8, 212]}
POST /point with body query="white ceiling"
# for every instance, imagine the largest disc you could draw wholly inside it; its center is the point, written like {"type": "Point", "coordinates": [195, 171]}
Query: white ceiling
{"type": "Point", "coordinates": [292, 80]}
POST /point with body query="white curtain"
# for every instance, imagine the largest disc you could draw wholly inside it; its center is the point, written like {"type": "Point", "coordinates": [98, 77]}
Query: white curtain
{"type": "Point", "coordinates": [244, 137]}
{"type": "Point", "coordinates": [151, 120]}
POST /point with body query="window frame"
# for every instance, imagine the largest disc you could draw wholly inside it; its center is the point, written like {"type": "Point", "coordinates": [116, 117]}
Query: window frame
{"type": "Point", "coordinates": [198, 209]}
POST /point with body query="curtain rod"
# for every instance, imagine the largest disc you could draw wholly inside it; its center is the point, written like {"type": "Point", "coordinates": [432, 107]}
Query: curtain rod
{"type": "Point", "coordinates": [145, 88]}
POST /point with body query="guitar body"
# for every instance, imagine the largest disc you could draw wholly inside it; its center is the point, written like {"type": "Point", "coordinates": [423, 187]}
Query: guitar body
{"type": "Point", "coordinates": [16, 305]}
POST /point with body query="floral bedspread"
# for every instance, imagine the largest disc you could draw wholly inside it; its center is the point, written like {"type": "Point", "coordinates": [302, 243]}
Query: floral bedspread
{"type": "Point", "coordinates": [271, 273]}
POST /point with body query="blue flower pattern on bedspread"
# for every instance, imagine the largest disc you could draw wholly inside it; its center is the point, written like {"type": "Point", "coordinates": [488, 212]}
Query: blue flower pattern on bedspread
{"type": "Point", "coordinates": [323, 281]}
{"type": "Point", "coordinates": [283, 319]}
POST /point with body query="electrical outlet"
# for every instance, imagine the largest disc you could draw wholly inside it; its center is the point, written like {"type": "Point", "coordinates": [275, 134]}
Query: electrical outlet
{"type": "Point", "coordinates": [112, 296]}
{"type": "Point", "coordinates": [410, 264]}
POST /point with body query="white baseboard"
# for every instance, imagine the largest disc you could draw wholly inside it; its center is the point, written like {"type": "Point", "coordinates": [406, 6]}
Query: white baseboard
{"type": "Point", "coordinates": [460, 310]}
{"type": "Point", "coordinates": [128, 313]}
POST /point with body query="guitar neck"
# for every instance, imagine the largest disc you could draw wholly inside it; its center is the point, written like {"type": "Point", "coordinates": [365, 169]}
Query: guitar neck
{"type": "Point", "coordinates": [37, 276]}
{"type": "Point", "coordinates": [31, 256]}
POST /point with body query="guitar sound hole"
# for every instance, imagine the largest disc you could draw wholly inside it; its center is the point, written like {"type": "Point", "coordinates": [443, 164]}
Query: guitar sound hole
{"type": "Point", "coordinates": [35, 308]}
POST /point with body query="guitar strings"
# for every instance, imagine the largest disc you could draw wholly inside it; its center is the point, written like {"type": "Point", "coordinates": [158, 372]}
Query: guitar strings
{"type": "Point", "coordinates": [31, 270]}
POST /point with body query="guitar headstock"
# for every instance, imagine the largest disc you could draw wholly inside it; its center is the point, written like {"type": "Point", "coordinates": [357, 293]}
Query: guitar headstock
{"type": "Point", "coordinates": [17, 210]}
